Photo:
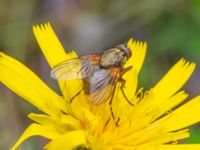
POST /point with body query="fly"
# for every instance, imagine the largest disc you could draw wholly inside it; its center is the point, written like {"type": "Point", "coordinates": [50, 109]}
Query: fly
{"type": "Point", "coordinates": [100, 73]}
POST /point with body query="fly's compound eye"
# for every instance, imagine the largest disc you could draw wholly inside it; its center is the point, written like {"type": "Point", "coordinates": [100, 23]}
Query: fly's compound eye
{"type": "Point", "coordinates": [126, 50]}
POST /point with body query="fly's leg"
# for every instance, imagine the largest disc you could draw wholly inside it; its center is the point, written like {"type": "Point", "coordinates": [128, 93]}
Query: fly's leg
{"type": "Point", "coordinates": [72, 98]}
{"type": "Point", "coordinates": [111, 110]}
{"type": "Point", "coordinates": [79, 92]}
{"type": "Point", "coordinates": [123, 84]}
{"type": "Point", "coordinates": [118, 119]}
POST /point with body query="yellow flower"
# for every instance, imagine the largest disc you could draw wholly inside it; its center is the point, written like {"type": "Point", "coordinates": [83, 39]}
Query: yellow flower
{"type": "Point", "coordinates": [153, 123]}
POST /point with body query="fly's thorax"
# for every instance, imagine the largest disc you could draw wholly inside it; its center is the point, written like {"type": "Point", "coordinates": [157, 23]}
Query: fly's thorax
{"type": "Point", "coordinates": [113, 57]}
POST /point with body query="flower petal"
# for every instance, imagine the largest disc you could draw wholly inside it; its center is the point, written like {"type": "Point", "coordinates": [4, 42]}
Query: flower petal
{"type": "Point", "coordinates": [173, 80]}
{"type": "Point", "coordinates": [180, 147]}
{"type": "Point", "coordinates": [50, 44]}
{"type": "Point", "coordinates": [170, 103]}
{"type": "Point", "coordinates": [26, 84]}
{"type": "Point", "coordinates": [138, 50]}
{"type": "Point", "coordinates": [171, 147]}
{"type": "Point", "coordinates": [35, 130]}
{"type": "Point", "coordinates": [71, 121]}
{"type": "Point", "coordinates": [66, 121]}
{"type": "Point", "coordinates": [130, 86]}
{"type": "Point", "coordinates": [67, 141]}
{"type": "Point", "coordinates": [169, 137]}
{"type": "Point", "coordinates": [182, 117]}
{"type": "Point", "coordinates": [43, 119]}
{"type": "Point", "coordinates": [55, 54]}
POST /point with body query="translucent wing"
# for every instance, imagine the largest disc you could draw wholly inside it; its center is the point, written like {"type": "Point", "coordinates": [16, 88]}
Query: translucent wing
{"type": "Point", "coordinates": [102, 85]}
{"type": "Point", "coordinates": [77, 68]}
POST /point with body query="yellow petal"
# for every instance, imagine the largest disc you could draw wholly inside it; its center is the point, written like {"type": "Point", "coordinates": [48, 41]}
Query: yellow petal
{"type": "Point", "coordinates": [63, 124]}
{"type": "Point", "coordinates": [50, 44]}
{"type": "Point", "coordinates": [35, 130]}
{"type": "Point", "coordinates": [180, 147]}
{"type": "Point", "coordinates": [170, 103]}
{"type": "Point", "coordinates": [67, 141]}
{"type": "Point", "coordinates": [130, 86]}
{"type": "Point", "coordinates": [43, 119]}
{"type": "Point", "coordinates": [55, 54]}
{"type": "Point", "coordinates": [171, 147]}
{"type": "Point", "coordinates": [71, 121]}
{"type": "Point", "coordinates": [138, 50]}
{"type": "Point", "coordinates": [26, 84]}
{"type": "Point", "coordinates": [169, 137]}
{"type": "Point", "coordinates": [173, 80]}
{"type": "Point", "coordinates": [184, 116]}
{"type": "Point", "coordinates": [101, 142]}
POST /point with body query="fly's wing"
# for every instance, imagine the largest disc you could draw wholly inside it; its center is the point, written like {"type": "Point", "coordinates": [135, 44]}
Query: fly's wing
{"type": "Point", "coordinates": [77, 68]}
{"type": "Point", "coordinates": [102, 86]}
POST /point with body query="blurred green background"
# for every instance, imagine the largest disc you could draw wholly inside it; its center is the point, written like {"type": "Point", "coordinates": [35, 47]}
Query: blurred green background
{"type": "Point", "coordinates": [170, 27]}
